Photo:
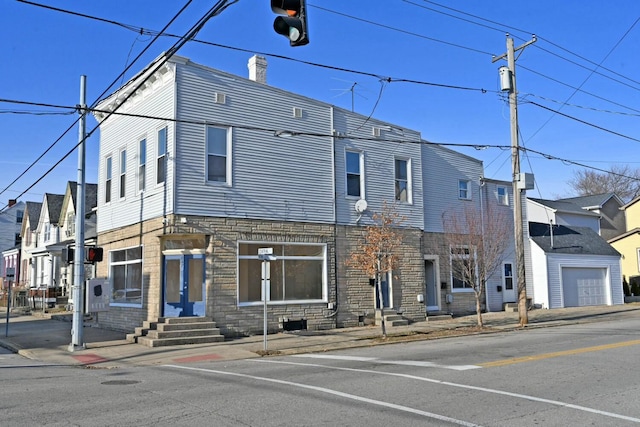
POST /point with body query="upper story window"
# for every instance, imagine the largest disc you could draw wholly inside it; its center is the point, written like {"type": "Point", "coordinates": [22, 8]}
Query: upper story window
{"type": "Point", "coordinates": [47, 232]}
{"type": "Point", "coordinates": [17, 239]}
{"type": "Point", "coordinates": [403, 180]}
{"type": "Point", "coordinates": [27, 237]}
{"type": "Point", "coordinates": [218, 158]}
{"type": "Point", "coordinates": [142, 164]}
{"type": "Point", "coordinates": [502, 195]}
{"type": "Point", "coordinates": [161, 164]}
{"type": "Point", "coordinates": [123, 173]}
{"type": "Point", "coordinates": [354, 162]}
{"type": "Point", "coordinates": [19, 216]}
{"type": "Point", "coordinates": [108, 175]}
{"type": "Point", "coordinates": [71, 224]}
{"type": "Point", "coordinates": [464, 189]}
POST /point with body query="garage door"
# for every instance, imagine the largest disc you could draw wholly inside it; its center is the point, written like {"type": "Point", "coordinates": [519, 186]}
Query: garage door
{"type": "Point", "coordinates": [584, 286]}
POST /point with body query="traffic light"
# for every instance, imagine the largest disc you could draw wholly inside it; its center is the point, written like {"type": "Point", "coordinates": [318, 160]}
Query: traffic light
{"type": "Point", "coordinates": [294, 24]}
{"type": "Point", "coordinates": [93, 254]}
{"type": "Point", "coordinates": [68, 253]}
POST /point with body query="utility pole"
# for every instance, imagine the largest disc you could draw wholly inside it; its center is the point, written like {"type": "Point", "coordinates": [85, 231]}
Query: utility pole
{"type": "Point", "coordinates": [77, 341]}
{"type": "Point", "coordinates": [508, 83]}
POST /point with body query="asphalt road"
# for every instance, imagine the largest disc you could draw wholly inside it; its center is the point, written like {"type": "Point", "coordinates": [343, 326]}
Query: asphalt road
{"type": "Point", "coordinates": [574, 375]}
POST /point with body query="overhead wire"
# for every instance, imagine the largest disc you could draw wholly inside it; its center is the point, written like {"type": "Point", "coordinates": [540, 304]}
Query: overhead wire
{"type": "Point", "coordinates": [220, 6]}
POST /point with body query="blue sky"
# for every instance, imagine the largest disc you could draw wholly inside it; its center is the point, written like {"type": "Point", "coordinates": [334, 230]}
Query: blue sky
{"type": "Point", "coordinates": [586, 57]}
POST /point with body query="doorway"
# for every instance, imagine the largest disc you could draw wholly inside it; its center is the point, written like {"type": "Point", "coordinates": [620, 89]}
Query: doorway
{"type": "Point", "coordinates": [184, 286]}
{"type": "Point", "coordinates": [432, 290]}
{"type": "Point", "coordinates": [508, 280]}
{"type": "Point", "coordinates": [385, 287]}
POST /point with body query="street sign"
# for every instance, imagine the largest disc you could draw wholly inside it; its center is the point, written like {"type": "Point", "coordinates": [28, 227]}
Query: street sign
{"type": "Point", "coordinates": [265, 251]}
{"type": "Point", "coordinates": [266, 254]}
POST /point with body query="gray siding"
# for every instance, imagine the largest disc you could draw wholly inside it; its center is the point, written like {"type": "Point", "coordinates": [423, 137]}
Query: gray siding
{"type": "Point", "coordinates": [120, 132]}
{"type": "Point", "coordinates": [441, 171]}
{"type": "Point", "coordinates": [379, 167]}
{"type": "Point", "coordinates": [283, 178]}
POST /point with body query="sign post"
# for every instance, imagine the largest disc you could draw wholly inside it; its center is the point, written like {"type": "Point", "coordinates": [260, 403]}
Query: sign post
{"type": "Point", "coordinates": [266, 255]}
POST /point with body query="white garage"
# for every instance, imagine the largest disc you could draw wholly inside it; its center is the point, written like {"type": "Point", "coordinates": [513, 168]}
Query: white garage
{"type": "Point", "coordinates": [585, 286]}
{"type": "Point", "coordinates": [574, 267]}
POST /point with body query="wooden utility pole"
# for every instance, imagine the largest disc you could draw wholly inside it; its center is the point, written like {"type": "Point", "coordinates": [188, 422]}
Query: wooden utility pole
{"type": "Point", "coordinates": [508, 83]}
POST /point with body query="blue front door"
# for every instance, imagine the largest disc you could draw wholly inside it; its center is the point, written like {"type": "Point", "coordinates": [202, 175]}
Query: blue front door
{"type": "Point", "coordinates": [183, 285]}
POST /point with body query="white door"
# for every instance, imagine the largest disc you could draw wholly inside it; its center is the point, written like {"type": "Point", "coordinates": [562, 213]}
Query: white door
{"type": "Point", "coordinates": [432, 289]}
{"type": "Point", "coordinates": [584, 286]}
{"type": "Point", "coordinates": [508, 283]}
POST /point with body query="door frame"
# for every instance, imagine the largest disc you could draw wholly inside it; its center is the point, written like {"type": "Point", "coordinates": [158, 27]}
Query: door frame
{"type": "Point", "coordinates": [435, 262]}
{"type": "Point", "coordinates": [509, 295]}
{"type": "Point", "coordinates": [199, 308]}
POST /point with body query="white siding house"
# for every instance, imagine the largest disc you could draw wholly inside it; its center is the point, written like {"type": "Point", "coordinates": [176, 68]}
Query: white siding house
{"type": "Point", "coordinates": [10, 224]}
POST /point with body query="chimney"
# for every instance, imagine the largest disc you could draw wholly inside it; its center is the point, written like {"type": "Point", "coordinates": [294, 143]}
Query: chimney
{"type": "Point", "coordinates": [258, 69]}
{"type": "Point", "coordinates": [12, 202]}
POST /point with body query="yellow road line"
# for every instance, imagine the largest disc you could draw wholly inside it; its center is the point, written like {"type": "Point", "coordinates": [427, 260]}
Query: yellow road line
{"type": "Point", "coordinates": [533, 358]}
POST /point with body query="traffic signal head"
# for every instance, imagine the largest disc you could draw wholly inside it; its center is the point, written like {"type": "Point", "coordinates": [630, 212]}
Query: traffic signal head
{"type": "Point", "coordinates": [294, 24]}
{"type": "Point", "coordinates": [93, 254]}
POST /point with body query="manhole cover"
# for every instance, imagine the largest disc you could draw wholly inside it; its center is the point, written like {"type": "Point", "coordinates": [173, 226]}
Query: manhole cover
{"type": "Point", "coordinates": [120, 382]}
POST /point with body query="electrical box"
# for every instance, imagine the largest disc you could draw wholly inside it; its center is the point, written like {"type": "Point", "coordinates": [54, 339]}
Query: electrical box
{"type": "Point", "coordinates": [525, 181]}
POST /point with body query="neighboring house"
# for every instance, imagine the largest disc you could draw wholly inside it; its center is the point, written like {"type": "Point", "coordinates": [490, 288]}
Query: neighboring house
{"type": "Point", "coordinates": [561, 212]}
{"type": "Point", "coordinates": [628, 243]}
{"type": "Point", "coordinates": [67, 224]}
{"type": "Point", "coordinates": [29, 242]}
{"type": "Point", "coordinates": [573, 267]}
{"type": "Point", "coordinates": [185, 203]}
{"type": "Point", "coordinates": [609, 208]}
{"type": "Point", "coordinates": [10, 224]}
{"type": "Point", "coordinates": [46, 255]}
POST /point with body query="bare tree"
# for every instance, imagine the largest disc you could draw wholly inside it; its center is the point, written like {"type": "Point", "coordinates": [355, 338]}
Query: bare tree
{"type": "Point", "coordinates": [622, 180]}
{"type": "Point", "coordinates": [379, 250]}
{"type": "Point", "coordinates": [477, 244]}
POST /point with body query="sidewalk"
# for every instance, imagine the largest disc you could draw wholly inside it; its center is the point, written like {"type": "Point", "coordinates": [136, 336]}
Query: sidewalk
{"type": "Point", "coordinates": [47, 339]}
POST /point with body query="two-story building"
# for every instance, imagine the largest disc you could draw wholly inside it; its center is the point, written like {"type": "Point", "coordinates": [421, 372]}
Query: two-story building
{"type": "Point", "coordinates": [204, 168]}
{"type": "Point", "coordinates": [10, 225]}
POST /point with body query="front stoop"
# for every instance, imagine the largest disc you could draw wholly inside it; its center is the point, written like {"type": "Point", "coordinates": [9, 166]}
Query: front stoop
{"type": "Point", "coordinates": [511, 307]}
{"type": "Point", "coordinates": [176, 331]}
{"type": "Point", "coordinates": [391, 318]}
{"type": "Point", "coordinates": [434, 316]}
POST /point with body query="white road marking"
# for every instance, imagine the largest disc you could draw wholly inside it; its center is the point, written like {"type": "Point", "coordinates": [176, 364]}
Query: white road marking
{"type": "Point", "coordinates": [391, 362]}
{"type": "Point", "coordinates": [464, 386]}
{"type": "Point", "coordinates": [334, 392]}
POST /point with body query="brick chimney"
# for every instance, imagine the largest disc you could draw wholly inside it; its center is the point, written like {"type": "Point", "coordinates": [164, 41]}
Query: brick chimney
{"type": "Point", "coordinates": [258, 69]}
{"type": "Point", "coordinates": [12, 202]}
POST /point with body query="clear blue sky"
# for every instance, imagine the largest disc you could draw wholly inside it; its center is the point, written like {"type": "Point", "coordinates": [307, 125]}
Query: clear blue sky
{"type": "Point", "coordinates": [444, 43]}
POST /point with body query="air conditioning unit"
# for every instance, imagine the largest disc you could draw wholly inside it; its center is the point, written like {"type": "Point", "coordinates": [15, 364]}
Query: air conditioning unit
{"type": "Point", "coordinates": [219, 98]}
{"type": "Point", "coordinates": [297, 112]}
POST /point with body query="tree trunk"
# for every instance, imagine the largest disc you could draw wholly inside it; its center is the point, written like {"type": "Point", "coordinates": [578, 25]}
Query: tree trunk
{"type": "Point", "coordinates": [523, 314]}
{"type": "Point", "coordinates": [479, 311]}
{"type": "Point", "coordinates": [381, 302]}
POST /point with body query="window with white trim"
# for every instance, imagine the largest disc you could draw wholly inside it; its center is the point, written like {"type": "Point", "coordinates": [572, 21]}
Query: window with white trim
{"type": "Point", "coordinates": [123, 173]}
{"type": "Point", "coordinates": [502, 195]}
{"type": "Point", "coordinates": [299, 273]}
{"type": "Point", "coordinates": [125, 272]}
{"type": "Point", "coordinates": [403, 180]}
{"type": "Point", "coordinates": [107, 182]}
{"type": "Point", "coordinates": [218, 161]}
{"type": "Point", "coordinates": [142, 164]}
{"type": "Point", "coordinates": [354, 165]}
{"type": "Point", "coordinates": [508, 276]}
{"type": "Point", "coordinates": [464, 190]}
{"type": "Point", "coordinates": [462, 268]}
{"type": "Point", "coordinates": [19, 216]}
{"type": "Point", "coordinates": [161, 160]}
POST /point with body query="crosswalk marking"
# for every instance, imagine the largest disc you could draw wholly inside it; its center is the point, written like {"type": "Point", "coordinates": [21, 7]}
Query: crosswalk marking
{"type": "Point", "coordinates": [417, 363]}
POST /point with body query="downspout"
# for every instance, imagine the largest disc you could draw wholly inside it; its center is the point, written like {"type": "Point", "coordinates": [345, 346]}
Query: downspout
{"type": "Point", "coordinates": [482, 189]}
{"type": "Point", "coordinates": [335, 214]}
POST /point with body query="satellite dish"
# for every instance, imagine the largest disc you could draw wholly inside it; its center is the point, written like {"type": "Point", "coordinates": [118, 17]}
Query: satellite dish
{"type": "Point", "coordinates": [361, 206]}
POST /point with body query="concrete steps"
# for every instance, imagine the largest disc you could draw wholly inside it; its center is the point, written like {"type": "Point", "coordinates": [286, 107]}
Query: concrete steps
{"type": "Point", "coordinates": [168, 331]}
{"type": "Point", "coordinates": [391, 318]}
{"type": "Point", "coordinates": [438, 315]}
{"type": "Point", "coordinates": [511, 307]}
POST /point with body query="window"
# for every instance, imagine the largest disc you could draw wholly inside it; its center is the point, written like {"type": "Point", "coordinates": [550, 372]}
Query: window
{"type": "Point", "coordinates": [354, 164]}
{"type": "Point", "coordinates": [125, 266]}
{"type": "Point", "coordinates": [70, 225]}
{"type": "Point", "coordinates": [462, 268]}
{"type": "Point", "coordinates": [298, 274]}
{"type": "Point", "coordinates": [463, 189]}
{"type": "Point", "coordinates": [123, 173]}
{"type": "Point", "coordinates": [47, 232]}
{"type": "Point", "coordinates": [503, 196]}
{"type": "Point", "coordinates": [107, 184]}
{"type": "Point", "coordinates": [161, 166]}
{"type": "Point", "coordinates": [218, 164]}
{"type": "Point", "coordinates": [19, 216]}
{"type": "Point", "coordinates": [27, 237]}
{"type": "Point", "coordinates": [17, 239]}
{"type": "Point", "coordinates": [403, 180]}
{"type": "Point", "coordinates": [142, 164]}
{"type": "Point", "coordinates": [508, 276]}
